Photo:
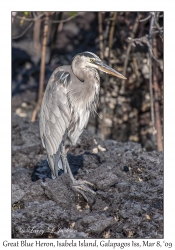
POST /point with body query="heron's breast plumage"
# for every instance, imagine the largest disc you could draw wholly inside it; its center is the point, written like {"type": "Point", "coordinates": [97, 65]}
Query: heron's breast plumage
{"type": "Point", "coordinates": [83, 99]}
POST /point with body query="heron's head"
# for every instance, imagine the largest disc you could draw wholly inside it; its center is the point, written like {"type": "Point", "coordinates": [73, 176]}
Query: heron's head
{"type": "Point", "coordinates": [89, 59]}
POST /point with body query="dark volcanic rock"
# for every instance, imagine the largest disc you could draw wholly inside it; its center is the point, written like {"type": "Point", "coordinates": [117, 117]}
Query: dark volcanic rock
{"type": "Point", "coordinates": [95, 223]}
{"type": "Point", "coordinates": [39, 219]}
{"type": "Point", "coordinates": [128, 204]}
{"type": "Point", "coordinates": [17, 193]}
{"type": "Point", "coordinates": [59, 191]}
{"type": "Point", "coordinates": [26, 144]}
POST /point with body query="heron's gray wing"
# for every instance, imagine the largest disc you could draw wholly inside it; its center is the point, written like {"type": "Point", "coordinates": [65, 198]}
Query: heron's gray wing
{"type": "Point", "coordinates": [55, 116]}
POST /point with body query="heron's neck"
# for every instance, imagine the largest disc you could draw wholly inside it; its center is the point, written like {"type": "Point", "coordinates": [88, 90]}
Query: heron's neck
{"type": "Point", "coordinates": [89, 75]}
{"type": "Point", "coordinates": [92, 82]}
{"type": "Point", "coordinates": [85, 91]}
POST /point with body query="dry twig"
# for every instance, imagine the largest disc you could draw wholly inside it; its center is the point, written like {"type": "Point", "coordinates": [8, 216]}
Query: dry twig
{"type": "Point", "coordinates": [52, 21]}
{"type": "Point", "coordinates": [13, 16]}
{"type": "Point", "coordinates": [67, 19]}
{"type": "Point", "coordinates": [36, 35]}
{"type": "Point", "coordinates": [100, 30]}
{"type": "Point", "coordinates": [156, 101]}
{"type": "Point", "coordinates": [109, 30]}
{"type": "Point", "coordinates": [150, 75]}
{"type": "Point", "coordinates": [42, 69]}
{"type": "Point", "coordinates": [143, 40]}
{"type": "Point", "coordinates": [103, 95]}
{"type": "Point", "coordinates": [24, 31]}
{"type": "Point", "coordinates": [122, 90]}
{"type": "Point", "coordinates": [31, 19]}
{"type": "Point", "coordinates": [145, 19]}
{"type": "Point", "coordinates": [111, 34]}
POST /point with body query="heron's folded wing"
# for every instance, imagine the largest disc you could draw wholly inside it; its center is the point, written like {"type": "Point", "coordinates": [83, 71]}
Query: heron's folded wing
{"type": "Point", "coordinates": [55, 112]}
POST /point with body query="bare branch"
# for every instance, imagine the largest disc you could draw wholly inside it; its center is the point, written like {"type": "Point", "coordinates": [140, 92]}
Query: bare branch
{"type": "Point", "coordinates": [143, 40]}
{"type": "Point", "coordinates": [160, 29]}
{"type": "Point", "coordinates": [36, 36]}
{"type": "Point", "coordinates": [150, 76]}
{"type": "Point", "coordinates": [67, 19]}
{"type": "Point", "coordinates": [153, 74]}
{"type": "Point", "coordinates": [52, 21]}
{"type": "Point", "coordinates": [34, 14]}
{"type": "Point", "coordinates": [31, 19]}
{"type": "Point", "coordinates": [157, 31]}
{"type": "Point", "coordinates": [128, 52]}
{"type": "Point", "coordinates": [156, 98]}
{"type": "Point", "coordinates": [13, 16]}
{"type": "Point", "coordinates": [42, 69]}
{"type": "Point", "coordinates": [106, 77]}
{"type": "Point", "coordinates": [100, 30]}
{"type": "Point", "coordinates": [111, 34]}
{"type": "Point", "coordinates": [145, 19]}
{"type": "Point", "coordinates": [24, 31]}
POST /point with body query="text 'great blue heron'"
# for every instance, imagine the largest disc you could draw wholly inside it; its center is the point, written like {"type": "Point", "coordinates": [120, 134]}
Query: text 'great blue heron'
{"type": "Point", "coordinates": [71, 94]}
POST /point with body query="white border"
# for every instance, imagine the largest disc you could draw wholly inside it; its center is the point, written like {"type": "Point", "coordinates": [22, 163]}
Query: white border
{"type": "Point", "coordinates": [5, 93]}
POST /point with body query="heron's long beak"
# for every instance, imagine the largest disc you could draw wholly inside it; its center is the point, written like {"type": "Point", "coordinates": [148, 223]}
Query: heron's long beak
{"type": "Point", "coordinates": [105, 68]}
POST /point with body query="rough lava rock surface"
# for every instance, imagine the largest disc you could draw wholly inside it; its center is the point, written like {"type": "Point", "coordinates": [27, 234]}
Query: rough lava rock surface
{"type": "Point", "coordinates": [128, 182]}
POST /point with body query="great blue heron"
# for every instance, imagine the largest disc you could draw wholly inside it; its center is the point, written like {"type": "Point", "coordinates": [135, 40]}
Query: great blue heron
{"type": "Point", "coordinates": [71, 94]}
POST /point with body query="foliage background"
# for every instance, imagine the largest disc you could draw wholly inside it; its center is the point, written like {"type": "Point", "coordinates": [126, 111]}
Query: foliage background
{"type": "Point", "coordinates": [129, 110]}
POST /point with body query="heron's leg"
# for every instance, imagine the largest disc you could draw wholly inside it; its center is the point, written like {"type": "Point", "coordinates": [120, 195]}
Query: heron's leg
{"type": "Point", "coordinates": [51, 164]}
{"type": "Point", "coordinates": [63, 156]}
{"type": "Point", "coordinates": [67, 167]}
{"type": "Point", "coordinates": [78, 185]}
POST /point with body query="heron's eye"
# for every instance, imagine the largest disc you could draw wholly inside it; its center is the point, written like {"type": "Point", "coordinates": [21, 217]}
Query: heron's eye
{"type": "Point", "coordinates": [92, 60]}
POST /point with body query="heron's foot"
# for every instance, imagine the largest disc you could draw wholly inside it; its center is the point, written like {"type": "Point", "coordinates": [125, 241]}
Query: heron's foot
{"type": "Point", "coordinates": [81, 187]}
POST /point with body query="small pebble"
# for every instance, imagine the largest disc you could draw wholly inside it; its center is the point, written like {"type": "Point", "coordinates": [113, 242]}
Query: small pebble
{"type": "Point", "coordinates": [101, 148]}
{"type": "Point", "coordinates": [95, 150]}
{"type": "Point", "coordinates": [105, 208]}
{"type": "Point", "coordinates": [95, 141]}
{"type": "Point", "coordinates": [148, 217]}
